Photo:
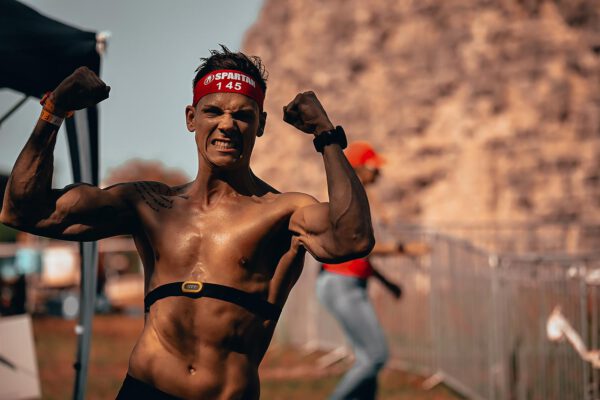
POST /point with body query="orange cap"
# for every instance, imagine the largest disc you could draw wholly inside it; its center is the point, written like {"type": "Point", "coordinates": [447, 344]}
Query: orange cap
{"type": "Point", "coordinates": [361, 153]}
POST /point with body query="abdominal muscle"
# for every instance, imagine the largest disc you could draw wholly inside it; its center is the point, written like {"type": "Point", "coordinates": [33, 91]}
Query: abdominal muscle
{"type": "Point", "coordinates": [201, 349]}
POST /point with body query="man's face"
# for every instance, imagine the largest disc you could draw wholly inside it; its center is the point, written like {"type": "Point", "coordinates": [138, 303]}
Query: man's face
{"type": "Point", "coordinates": [226, 126]}
{"type": "Point", "coordinates": [367, 174]}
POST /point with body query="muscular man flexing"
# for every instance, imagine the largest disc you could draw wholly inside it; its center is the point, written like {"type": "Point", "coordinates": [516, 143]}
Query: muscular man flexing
{"type": "Point", "coordinates": [220, 253]}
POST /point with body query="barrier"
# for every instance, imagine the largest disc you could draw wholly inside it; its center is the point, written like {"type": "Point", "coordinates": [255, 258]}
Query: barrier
{"type": "Point", "coordinates": [473, 319]}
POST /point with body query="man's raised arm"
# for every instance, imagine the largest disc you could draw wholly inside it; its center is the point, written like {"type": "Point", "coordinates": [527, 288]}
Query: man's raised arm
{"type": "Point", "coordinates": [77, 212]}
{"type": "Point", "coordinates": [341, 229]}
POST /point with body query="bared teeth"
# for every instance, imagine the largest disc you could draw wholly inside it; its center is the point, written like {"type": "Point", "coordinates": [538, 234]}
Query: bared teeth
{"type": "Point", "coordinates": [221, 144]}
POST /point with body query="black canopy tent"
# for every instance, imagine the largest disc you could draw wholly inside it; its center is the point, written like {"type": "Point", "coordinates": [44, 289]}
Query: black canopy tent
{"type": "Point", "coordinates": [37, 53]}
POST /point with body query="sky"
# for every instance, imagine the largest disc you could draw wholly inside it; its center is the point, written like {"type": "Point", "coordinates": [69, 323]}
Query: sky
{"type": "Point", "coordinates": [154, 48]}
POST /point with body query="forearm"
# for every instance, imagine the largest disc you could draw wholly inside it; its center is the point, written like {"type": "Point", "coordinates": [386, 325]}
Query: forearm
{"type": "Point", "coordinates": [340, 230]}
{"type": "Point", "coordinates": [389, 285]}
{"type": "Point", "coordinates": [380, 277]}
{"type": "Point", "coordinates": [377, 275]}
{"type": "Point", "coordinates": [349, 212]}
{"type": "Point", "coordinates": [386, 249]}
{"type": "Point", "coordinates": [31, 178]}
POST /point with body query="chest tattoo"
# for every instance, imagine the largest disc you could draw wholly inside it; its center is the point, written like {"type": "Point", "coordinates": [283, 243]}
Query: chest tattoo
{"type": "Point", "coordinates": [152, 196]}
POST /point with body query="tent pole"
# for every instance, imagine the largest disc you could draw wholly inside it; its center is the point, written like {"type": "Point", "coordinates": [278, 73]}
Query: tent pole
{"type": "Point", "coordinates": [82, 135]}
{"type": "Point", "coordinates": [89, 261]}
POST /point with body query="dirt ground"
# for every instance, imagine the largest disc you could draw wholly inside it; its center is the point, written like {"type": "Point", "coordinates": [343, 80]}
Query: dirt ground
{"type": "Point", "coordinates": [285, 373]}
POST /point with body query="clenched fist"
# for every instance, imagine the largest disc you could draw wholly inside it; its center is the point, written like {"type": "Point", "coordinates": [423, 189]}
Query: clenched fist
{"type": "Point", "coordinates": [306, 113]}
{"type": "Point", "coordinates": [79, 90]}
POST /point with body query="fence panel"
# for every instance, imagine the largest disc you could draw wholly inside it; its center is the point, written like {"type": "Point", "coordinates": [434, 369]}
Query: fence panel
{"type": "Point", "coordinates": [463, 315]}
{"type": "Point", "coordinates": [406, 321]}
{"type": "Point", "coordinates": [476, 319]}
{"type": "Point", "coordinates": [533, 367]}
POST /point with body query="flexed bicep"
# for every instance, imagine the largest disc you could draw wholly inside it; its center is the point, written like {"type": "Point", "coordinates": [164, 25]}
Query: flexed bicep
{"type": "Point", "coordinates": [81, 212]}
{"type": "Point", "coordinates": [310, 223]}
{"type": "Point", "coordinates": [77, 212]}
{"type": "Point", "coordinates": [316, 231]}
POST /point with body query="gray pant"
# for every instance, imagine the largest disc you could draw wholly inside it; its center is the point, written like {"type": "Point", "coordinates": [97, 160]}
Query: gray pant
{"type": "Point", "coordinates": [346, 298]}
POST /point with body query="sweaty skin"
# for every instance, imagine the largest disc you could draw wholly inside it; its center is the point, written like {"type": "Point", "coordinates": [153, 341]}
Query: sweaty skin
{"type": "Point", "coordinates": [226, 226]}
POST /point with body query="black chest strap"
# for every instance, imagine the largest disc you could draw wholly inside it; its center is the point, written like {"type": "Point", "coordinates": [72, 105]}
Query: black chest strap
{"type": "Point", "coordinates": [195, 290]}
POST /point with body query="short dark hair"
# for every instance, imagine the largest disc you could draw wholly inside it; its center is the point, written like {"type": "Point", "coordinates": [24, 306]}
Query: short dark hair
{"type": "Point", "coordinates": [226, 59]}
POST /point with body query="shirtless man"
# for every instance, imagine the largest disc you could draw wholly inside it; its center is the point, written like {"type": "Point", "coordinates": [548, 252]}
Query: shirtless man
{"type": "Point", "coordinates": [228, 240]}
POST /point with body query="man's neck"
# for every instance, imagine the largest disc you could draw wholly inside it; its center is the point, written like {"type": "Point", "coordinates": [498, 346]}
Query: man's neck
{"type": "Point", "coordinates": [211, 184]}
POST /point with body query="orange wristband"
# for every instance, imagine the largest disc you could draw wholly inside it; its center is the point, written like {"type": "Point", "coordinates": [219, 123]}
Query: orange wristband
{"type": "Point", "coordinates": [51, 118]}
{"type": "Point", "coordinates": [51, 108]}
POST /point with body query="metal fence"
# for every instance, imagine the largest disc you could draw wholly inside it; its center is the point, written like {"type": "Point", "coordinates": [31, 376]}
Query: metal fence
{"type": "Point", "coordinates": [521, 238]}
{"type": "Point", "coordinates": [473, 319]}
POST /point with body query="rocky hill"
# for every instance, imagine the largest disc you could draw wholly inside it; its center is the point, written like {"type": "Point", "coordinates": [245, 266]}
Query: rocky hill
{"type": "Point", "coordinates": [487, 111]}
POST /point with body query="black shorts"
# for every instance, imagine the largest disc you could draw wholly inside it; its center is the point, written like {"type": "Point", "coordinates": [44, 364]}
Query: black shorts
{"type": "Point", "coordinates": [134, 389]}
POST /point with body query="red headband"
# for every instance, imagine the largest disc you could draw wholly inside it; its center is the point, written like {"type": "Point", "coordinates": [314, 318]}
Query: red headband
{"type": "Point", "coordinates": [228, 81]}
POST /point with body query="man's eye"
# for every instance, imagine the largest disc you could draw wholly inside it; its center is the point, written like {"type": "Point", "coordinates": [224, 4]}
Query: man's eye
{"type": "Point", "coordinates": [246, 117]}
{"type": "Point", "coordinates": [212, 111]}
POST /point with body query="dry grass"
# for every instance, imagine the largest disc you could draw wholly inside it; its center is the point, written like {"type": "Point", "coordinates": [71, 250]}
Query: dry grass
{"type": "Point", "coordinates": [285, 373]}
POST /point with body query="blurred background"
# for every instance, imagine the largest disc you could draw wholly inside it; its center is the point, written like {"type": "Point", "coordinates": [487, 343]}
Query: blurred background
{"type": "Point", "coordinates": [488, 114]}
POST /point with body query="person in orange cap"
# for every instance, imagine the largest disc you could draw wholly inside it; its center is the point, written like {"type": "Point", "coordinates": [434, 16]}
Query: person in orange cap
{"type": "Point", "coordinates": [363, 158]}
{"type": "Point", "coordinates": [342, 289]}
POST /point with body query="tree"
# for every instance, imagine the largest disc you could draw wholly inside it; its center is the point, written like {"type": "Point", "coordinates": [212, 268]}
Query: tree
{"type": "Point", "coordinates": [145, 170]}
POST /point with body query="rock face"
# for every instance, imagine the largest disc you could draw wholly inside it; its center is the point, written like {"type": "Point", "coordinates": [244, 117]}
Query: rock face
{"type": "Point", "coordinates": [487, 111]}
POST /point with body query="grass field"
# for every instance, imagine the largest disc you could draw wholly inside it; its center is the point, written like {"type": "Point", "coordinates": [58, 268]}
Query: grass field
{"type": "Point", "coordinates": [286, 373]}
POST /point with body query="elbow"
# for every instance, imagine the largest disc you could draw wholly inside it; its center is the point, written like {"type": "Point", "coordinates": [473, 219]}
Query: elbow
{"type": "Point", "coordinates": [13, 217]}
{"type": "Point", "coordinates": [21, 214]}
{"type": "Point", "coordinates": [9, 214]}
{"type": "Point", "coordinates": [346, 249]}
{"type": "Point", "coordinates": [359, 246]}
{"type": "Point", "coordinates": [8, 219]}
{"type": "Point", "coordinates": [364, 246]}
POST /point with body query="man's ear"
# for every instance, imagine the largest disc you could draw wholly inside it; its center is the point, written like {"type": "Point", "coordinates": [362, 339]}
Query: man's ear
{"type": "Point", "coordinates": [190, 114]}
{"type": "Point", "coordinates": [262, 121]}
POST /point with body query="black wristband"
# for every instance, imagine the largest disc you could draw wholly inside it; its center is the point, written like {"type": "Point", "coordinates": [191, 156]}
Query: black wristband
{"type": "Point", "coordinates": [336, 135]}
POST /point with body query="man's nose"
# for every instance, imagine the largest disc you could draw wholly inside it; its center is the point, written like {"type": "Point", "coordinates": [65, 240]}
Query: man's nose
{"type": "Point", "coordinates": [226, 123]}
